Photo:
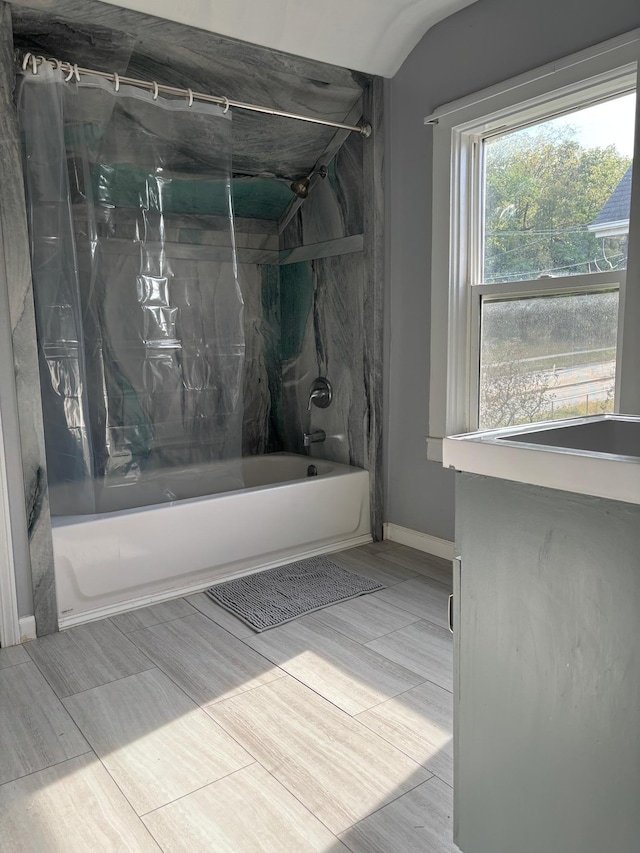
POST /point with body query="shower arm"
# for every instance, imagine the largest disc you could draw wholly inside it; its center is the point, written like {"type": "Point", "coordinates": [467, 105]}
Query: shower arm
{"type": "Point", "coordinates": [33, 61]}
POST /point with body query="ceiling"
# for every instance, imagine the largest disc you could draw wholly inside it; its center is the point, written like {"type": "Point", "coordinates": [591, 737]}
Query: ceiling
{"type": "Point", "coordinates": [373, 36]}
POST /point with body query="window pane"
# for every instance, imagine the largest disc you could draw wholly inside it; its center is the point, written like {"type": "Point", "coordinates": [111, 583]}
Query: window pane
{"type": "Point", "coordinates": [557, 195]}
{"type": "Point", "coordinates": [547, 357]}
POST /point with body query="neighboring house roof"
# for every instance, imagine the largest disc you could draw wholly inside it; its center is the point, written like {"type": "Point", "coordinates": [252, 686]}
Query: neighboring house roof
{"type": "Point", "coordinates": [613, 219]}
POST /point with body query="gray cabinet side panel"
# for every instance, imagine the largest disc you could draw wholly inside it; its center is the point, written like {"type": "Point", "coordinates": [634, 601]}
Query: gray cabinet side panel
{"type": "Point", "coordinates": [548, 749]}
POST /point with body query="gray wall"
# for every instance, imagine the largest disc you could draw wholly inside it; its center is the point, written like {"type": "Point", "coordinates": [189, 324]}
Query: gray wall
{"type": "Point", "coordinates": [489, 41]}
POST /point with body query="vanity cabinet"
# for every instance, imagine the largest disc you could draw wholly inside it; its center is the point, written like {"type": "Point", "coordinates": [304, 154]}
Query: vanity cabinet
{"type": "Point", "coordinates": [547, 670]}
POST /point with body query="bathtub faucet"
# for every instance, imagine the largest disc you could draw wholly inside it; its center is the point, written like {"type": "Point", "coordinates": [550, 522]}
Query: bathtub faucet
{"type": "Point", "coordinates": [311, 437]}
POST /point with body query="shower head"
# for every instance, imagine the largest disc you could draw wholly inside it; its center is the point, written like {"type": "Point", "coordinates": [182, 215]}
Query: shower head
{"type": "Point", "coordinates": [301, 186]}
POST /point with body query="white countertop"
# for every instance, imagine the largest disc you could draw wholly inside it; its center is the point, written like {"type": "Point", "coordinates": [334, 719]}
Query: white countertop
{"type": "Point", "coordinates": [598, 455]}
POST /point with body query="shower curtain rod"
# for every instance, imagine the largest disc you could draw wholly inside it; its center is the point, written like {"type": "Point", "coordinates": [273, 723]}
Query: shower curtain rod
{"type": "Point", "coordinates": [73, 71]}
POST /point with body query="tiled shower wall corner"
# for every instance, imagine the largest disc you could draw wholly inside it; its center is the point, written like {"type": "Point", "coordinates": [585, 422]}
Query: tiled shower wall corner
{"type": "Point", "coordinates": [308, 321]}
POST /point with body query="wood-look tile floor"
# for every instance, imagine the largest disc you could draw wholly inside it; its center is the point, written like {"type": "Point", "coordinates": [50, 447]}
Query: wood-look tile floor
{"type": "Point", "coordinates": [177, 728]}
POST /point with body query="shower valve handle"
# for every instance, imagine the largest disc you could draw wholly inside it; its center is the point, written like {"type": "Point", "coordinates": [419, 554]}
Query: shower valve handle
{"type": "Point", "coordinates": [321, 393]}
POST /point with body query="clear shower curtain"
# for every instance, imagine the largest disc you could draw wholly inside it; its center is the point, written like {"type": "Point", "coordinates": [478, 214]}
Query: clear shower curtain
{"type": "Point", "coordinates": [140, 331]}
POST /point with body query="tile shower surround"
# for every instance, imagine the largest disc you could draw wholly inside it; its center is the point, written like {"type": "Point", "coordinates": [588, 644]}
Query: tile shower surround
{"type": "Point", "coordinates": [332, 241]}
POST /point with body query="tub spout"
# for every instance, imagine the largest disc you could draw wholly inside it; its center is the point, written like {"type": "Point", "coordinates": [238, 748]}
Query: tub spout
{"type": "Point", "coordinates": [311, 437]}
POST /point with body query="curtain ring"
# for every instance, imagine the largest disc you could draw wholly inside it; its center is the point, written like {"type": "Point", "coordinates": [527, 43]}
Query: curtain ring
{"type": "Point", "coordinates": [116, 82]}
{"type": "Point", "coordinates": [190, 97]}
{"type": "Point", "coordinates": [226, 105]}
{"type": "Point", "coordinates": [155, 91]}
{"type": "Point", "coordinates": [34, 63]}
{"type": "Point", "coordinates": [58, 65]}
{"type": "Point", "coordinates": [25, 61]}
{"type": "Point", "coordinates": [70, 72]}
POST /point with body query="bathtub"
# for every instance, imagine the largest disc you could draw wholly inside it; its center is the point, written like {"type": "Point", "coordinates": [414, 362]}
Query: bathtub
{"type": "Point", "coordinates": [117, 561]}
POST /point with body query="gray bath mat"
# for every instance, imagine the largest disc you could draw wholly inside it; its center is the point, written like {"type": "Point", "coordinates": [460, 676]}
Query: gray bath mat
{"type": "Point", "coordinates": [271, 598]}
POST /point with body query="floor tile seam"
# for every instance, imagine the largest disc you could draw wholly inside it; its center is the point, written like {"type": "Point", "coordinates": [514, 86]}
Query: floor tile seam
{"type": "Point", "coordinates": [35, 663]}
{"type": "Point", "coordinates": [89, 751]}
{"type": "Point", "coordinates": [401, 749]}
{"type": "Point", "coordinates": [18, 663]}
{"type": "Point", "coordinates": [422, 678]}
{"type": "Point", "coordinates": [111, 681]}
{"type": "Point", "coordinates": [293, 678]}
{"type": "Point", "coordinates": [215, 702]}
{"type": "Point", "coordinates": [196, 612]}
{"type": "Point", "coordinates": [440, 779]}
{"type": "Point", "coordinates": [398, 607]}
{"type": "Point", "coordinates": [351, 716]}
{"type": "Point", "coordinates": [379, 636]}
{"type": "Point", "coordinates": [430, 622]}
{"type": "Point", "coordinates": [105, 683]}
{"type": "Point", "coordinates": [391, 672]}
{"type": "Point", "coordinates": [397, 696]}
{"type": "Point", "coordinates": [60, 700]}
{"type": "Point", "coordinates": [420, 616]}
{"type": "Point", "coordinates": [387, 584]}
{"type": "Point", "coordinates": [435, 683]}
{"type": "Point", "coordinates": [127, 800]}
{"type": "Point", "coordinates": [142, 815]}
{"type": "Point", "coordinates": [418, 766]}
{"type": "Point", "coordinates": [394, 745]}
{"type": "Point", "coordinates": [161, 622]}
{"type": "Point", "coordinates": [446, 587]}
{"type": "Point", "coordinates": [159, 666]}
{"type": "Point", "coordinates": [386, 633]}
{"type": "Point", "coordinates": [409, 689]}
{"type": "Point", "coordinates": [418, 674]}
{"type": "Point", "coordinates": [218, 625]}
{"type": "Point", "coordinates": [225, 728]}
{"type": "Point", "coordinates": [297, 799]}
{"type": "Point", "coordinates": [354, 569]}
{"type": "Point", "coordinates": [389, 802]}
{"type": "Point", "coordinates": [196, 707]}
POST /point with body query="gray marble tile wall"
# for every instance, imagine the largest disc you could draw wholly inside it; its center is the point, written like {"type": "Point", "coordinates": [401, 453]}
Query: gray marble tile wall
{"type": "Point", "coordinates": [106, 36]}
{"type": "Point", "coordinates": [261, 351]}
{"type": "Point", "coordinates": [331, 278]}
{"type": "Point", "coordinates": [18, 296]}
{"type": "Point", "coordinates": [373, 307]}
{"type": "Point", "coordinates": [321, 305]}
{"type": "Point", "coordinates": [334, 207]}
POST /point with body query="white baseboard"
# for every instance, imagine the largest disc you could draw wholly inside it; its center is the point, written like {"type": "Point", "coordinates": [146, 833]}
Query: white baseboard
{"type": "Point", "coordinates": [420, 541]}
{"type": "Point", "coordinates": [27, 627]}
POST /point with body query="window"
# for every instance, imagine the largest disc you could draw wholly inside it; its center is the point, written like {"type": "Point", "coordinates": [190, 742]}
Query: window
{"type": "Point", "coordinates": [532, 190]}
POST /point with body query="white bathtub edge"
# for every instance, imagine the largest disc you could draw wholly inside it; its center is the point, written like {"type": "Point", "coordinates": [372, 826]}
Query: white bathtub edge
{"type": "Point", "coordinates": [65, 622]}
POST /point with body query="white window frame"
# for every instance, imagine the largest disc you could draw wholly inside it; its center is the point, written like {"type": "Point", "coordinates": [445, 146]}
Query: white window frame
{"type": "Point", "coordinates": [459, 127]}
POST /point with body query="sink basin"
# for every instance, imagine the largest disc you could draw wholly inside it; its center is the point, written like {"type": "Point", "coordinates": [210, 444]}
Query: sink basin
{"type": "Point", "coordinates": [598, 455]}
